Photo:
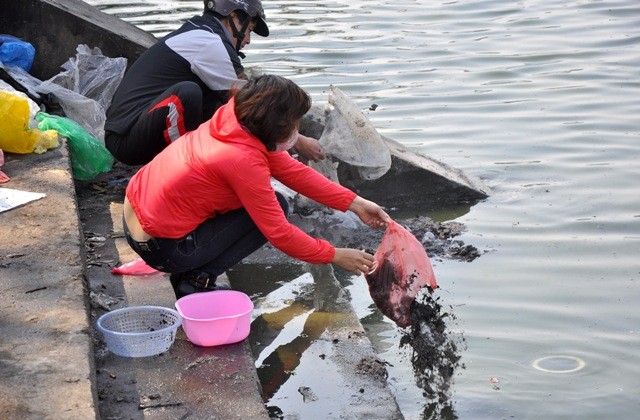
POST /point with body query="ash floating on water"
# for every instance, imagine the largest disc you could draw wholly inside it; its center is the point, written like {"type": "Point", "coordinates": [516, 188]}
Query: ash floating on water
{"type": "Point", "coordinates": [436, 353]}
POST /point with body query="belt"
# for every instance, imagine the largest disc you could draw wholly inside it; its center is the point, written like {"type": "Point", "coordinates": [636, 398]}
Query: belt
{"type": "Point", "coordinates": [148, 245]}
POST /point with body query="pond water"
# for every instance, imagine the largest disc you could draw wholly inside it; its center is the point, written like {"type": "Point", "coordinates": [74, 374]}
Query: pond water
{"type": "Point", "coordinates": [541, 100]}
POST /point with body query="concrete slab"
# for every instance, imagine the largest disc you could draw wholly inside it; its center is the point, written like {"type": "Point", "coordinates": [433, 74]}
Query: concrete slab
{"type": "Point", "coordinates": [203, 382]}
{"type": "Point", "coordinates": [56, 27]}
{"type": "Point", "coordinates": [414, 182]}
{"type": "Point", "coordinates": [46, 356]}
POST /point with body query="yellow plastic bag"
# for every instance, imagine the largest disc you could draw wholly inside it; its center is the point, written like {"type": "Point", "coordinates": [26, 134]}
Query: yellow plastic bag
{"type": "Point", "coordinates": [44, 140]}
{"type": "Point", "coordinates": [14, 120]}
{"type": "Point", "coordinates": [15, 137]}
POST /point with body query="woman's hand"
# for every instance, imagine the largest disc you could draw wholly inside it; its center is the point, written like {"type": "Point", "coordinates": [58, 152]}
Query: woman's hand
{"type": "Point", "coordinates": [309, 149]}
{"type": "Point", "coordinates": [370, 213]}
{"type": "Point", "coordinates": [353, 260]}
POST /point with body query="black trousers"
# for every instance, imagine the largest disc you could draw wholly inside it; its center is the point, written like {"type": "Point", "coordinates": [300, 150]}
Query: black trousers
{"type": "Point", "coordinates": [213, 247]}
{"type": "Point", "coordinates": [175, 112]}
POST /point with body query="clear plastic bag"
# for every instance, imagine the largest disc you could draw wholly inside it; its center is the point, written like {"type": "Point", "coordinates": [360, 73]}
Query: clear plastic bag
{"type": "Point", "coordinates": [92, 74]}
{"type": "Point", "coordinates": [21, 80]}
{"type": "Point", "coordinates": [86, 87]}
{"type": "Point", "coordinates": [401, 269]}
{"type": "Point", "coordinates": [351, 138]}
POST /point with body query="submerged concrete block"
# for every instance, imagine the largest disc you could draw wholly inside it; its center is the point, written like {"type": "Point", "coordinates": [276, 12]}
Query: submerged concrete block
{"type": "Point", "coordinates": [414, 181]}
{"type": "Point", "coordinates": [56, 27]}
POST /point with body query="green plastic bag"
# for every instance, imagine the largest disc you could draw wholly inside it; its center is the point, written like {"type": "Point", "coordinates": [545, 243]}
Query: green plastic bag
{"type": "Point", "coordinates": [88, 156]}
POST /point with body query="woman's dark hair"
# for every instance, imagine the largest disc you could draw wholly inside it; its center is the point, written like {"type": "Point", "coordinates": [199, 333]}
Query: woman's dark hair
{"type": "Point", "coordinates": [271, 107]}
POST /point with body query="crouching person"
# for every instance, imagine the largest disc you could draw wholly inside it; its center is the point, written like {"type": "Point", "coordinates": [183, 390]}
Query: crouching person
{"type": "Point", "coordinates": [206, 201]}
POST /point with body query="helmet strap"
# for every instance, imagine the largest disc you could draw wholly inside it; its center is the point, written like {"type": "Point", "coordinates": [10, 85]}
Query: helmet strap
{"type": "Point", "coordinates": [239, 34]}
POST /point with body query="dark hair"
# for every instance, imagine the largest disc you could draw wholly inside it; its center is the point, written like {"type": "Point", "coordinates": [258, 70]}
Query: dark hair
{"type": "Point", "coordinates": [271, 107]}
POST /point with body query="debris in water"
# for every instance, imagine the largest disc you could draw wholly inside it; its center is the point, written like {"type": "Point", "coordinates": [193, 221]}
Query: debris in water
{"type": "Point", "coordinates": [307, 394]}
{"type": "Point", "coordinates": [436, 353]}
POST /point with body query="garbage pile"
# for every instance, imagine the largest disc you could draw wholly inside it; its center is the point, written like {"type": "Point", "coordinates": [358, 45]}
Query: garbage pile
{"type": "Point", "coordinates": [35, 114]}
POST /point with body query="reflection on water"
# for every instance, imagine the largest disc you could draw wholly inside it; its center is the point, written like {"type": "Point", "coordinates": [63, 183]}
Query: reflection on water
{"type": "Point", "coordinates": [290, 318]}
{"type": "Point", "coordinates": [311, 318]}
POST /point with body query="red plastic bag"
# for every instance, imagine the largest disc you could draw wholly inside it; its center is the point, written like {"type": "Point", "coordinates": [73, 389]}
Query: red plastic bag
{"type": "Point", "coordinates": [401, 269]}
{"type": "Point", "coordinates": [136, 267]}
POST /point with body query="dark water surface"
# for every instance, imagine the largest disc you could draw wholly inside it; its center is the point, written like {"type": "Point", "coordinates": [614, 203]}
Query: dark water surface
{"type": "Point", "coordinates": [540, 99]}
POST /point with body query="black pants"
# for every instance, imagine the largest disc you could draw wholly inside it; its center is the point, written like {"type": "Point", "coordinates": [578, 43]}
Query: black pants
{"type": "Point", "coordinates": [213, 247]}
{"type": "Point", "coordinates": [175, 112]}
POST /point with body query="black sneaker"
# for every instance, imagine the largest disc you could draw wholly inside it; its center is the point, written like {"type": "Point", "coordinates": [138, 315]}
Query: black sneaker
{"type": "Point", "coordinates": [196, 282]}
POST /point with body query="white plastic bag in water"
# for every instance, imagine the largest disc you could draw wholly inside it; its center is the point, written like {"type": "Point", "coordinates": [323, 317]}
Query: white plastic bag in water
{"type": "Point", "coordinates": [351, 138]}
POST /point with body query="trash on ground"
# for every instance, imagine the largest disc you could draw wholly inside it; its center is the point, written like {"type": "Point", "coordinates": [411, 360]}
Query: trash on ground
{"type": "Point", "coordinates": [20, 80]}
{"type": "Point", "coordinates": [15, 134]}
{"type": "Point", "coordinates": [89, 157]}
{"type": "Point", "coordinates": [34, 108]}
{"type": "Point", "coordinates": [16, 52]}
{"type": "Point", "coordinates": [11, 199]}
{"type": "Point", "coordinates": [136, 267]}
{"type": "Point", "coordinates": [86, 86]}
{"type": "Point", "coordinates": [101, 300]}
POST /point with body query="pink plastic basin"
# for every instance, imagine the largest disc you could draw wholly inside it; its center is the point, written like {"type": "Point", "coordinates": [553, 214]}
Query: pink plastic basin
{"type": "Point", "coordinates": [215, 318]}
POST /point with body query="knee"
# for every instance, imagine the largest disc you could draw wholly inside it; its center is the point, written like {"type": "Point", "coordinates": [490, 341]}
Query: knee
{"type": "Point", "coordinates": [283, 203]}
{"type": "Point", "coordinates": [188, 89]}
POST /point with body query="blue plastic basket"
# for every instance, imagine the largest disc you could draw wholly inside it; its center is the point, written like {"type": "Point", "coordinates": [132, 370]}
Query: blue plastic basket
{"type": "Point", "coordinates": [139, 331]}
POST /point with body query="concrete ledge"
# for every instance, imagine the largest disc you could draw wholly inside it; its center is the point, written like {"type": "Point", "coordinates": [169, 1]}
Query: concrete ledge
{"type": "Point", "coordinates": [46, 355]}
{"type": "Point", "coordinates": [56, 27]}
{"type": "Point", "coordinates": [187, 380]}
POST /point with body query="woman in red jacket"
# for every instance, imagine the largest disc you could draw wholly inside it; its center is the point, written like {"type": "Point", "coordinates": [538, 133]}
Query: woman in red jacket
{"type": "Point", "coordinates": [206, 201]}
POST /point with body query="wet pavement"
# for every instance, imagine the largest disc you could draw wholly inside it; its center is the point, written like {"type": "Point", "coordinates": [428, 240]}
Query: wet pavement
{"type": "Point", "coordinates": [194, 381]}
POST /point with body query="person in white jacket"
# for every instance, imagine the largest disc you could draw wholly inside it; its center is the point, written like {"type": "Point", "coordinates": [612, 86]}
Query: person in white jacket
{"type": "Point", "coordinates": [180, 82]}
